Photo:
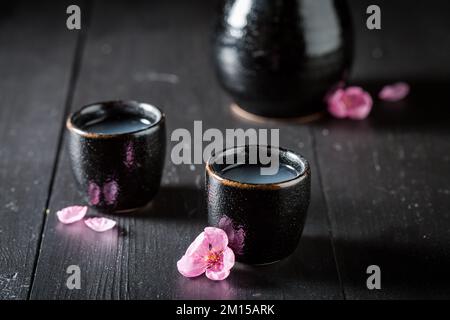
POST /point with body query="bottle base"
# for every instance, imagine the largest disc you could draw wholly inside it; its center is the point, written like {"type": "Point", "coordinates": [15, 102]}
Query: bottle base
{"type": "Point", "coordinates": [249, 116]}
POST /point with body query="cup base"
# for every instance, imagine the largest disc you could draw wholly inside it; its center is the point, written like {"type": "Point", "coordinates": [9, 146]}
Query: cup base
{"type": "Point", "coordinates": [263, 264]}
{"type": "Point", "coordinates": [135, 210]}
{"type": "Point", "coordinates": [132, 210]}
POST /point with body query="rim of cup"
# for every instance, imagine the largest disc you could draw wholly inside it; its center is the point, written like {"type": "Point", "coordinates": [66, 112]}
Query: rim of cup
{"type": "Point", "coordinates": [293, 156]}
{"type": "Point", "coordinates": [146, 111]}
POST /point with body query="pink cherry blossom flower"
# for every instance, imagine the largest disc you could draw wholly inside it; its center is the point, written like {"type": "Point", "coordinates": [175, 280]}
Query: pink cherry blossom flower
{"type": "Point", "coordinates": [352, 102]}
{"type": "Point", "coordinates": [100, 224]}
{"type": "Point", "coordinates": [71, 214]}
{"type": "Point", "coordinates": [394, 92]}
{"type": "Point", "coordinates": [210, 254]}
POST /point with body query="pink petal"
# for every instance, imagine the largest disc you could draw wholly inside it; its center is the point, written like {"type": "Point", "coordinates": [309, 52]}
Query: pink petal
{"type": "Point", "coordinates": [194, 262]}
{"type": "Point", "coordinates": [336, 106]}
{"type": "Point", "coordinates": [354, 92]}
{"type": "Point", "coordinates": [228, 259]}
{"type": "Point", "coordinates": [217, 275]}
{"type": "Point", "coordinates": [71, 214]}
{"type": "Point", "coordinates": [352, 102]}
{"type": "Point", "coordinates": [217, 238]}
{"type": "Point", "coordinates": [100, 224]}
{"type": "Point", "coordinates": [394, 92]}
{"type": "Point", "coordinates": [220, 271]}
{"type": "Point", "coordinates": [361, 106]}
{"type": "Point", "coordinates": [200, 246]}
{"type": "Point", "coordinates": [190, 266]}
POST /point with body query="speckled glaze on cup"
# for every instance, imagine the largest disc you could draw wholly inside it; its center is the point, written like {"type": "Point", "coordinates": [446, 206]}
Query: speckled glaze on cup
{"type": "Point", "coordinates": [264, 222]}
{"type": "Point", "coordinates": [117, 172]}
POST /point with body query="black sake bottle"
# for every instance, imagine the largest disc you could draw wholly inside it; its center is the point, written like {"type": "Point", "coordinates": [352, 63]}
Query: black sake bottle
{"type": "Point", "coordinates": [278, 58]}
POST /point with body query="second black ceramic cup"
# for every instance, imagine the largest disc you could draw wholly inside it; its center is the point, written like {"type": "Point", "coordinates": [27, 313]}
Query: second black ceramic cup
{"type": "Point", "coordinates": [117, 150]}
{"type": "Point", "coordinates": [263, 216]}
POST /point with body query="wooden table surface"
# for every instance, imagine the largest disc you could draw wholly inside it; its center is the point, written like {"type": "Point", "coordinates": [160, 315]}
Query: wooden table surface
{"type": "Point", "coordinates": [380, 188]}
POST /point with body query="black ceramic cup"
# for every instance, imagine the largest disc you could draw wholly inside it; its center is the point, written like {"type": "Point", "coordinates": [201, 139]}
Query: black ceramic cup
{"type": "Point", "coordinates": [117, 150]}
{"type": "Point", "coordinates": [263, 217]}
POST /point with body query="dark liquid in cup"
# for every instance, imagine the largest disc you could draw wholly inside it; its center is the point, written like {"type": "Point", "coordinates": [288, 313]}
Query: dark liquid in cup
{"type": "Point", "coordinates": [123, 123]}
{"type": "Point", "coordinates": [251, 173]}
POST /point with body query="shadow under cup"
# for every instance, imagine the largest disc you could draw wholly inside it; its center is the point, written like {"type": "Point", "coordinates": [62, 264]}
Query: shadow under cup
{"type": "Point", "coordinates": [117, 151]}
{"type": "Point", "coordinates": [263, 215]}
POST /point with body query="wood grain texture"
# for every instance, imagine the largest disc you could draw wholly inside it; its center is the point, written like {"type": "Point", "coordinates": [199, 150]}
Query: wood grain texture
{"type": "Point", "coordinates": [35, 59]}
{"type": "Point", "coordinates": [386, 184]}
{"type": "Point", "coordinates": [158, 52]}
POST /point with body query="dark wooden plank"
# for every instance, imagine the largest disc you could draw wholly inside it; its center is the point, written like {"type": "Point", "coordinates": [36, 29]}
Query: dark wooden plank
{"type": "Point", "coordinates": [386, 183]}
{"type": "Point", "coordinates": [385, 178]}
{"type": "Point", "coordinates": [413, 42]}
{"type": "Point", "coordinates": [35, 59]}
{"type": "Point", "coordinates": [158, 52]}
